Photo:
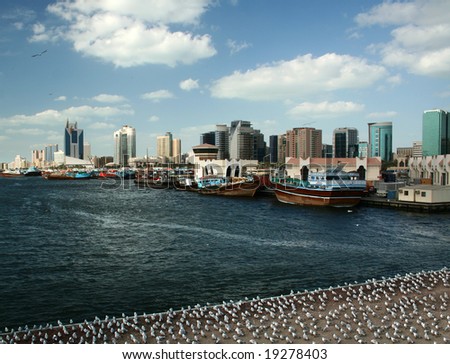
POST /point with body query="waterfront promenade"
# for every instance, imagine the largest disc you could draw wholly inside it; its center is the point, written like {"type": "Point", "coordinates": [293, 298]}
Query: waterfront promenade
{"type": "Point", "coordinates": [404, 309]}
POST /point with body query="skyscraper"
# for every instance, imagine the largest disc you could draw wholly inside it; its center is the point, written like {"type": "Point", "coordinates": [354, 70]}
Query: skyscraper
{"type": "Point", "coordinates": [363, 149]}
{"type": "Point", "coordinates": [164, 147]}
{"type": "Point", "coordinates": [345, 143]}
{"type": "Point", "coordinates": [380, 140]}
{"type": "Point", "coordinates": [49, 151]}
{"type": "Point", "coordinates": [304, 143]}
{"type": "Point", "coordinates": [246, 142]}
{"type": "Point", "coordinates": [222, 141]}
{"type": "Point", "coordinates": [273, 139]}
{"type": "Point", "coordinates": [281, 148]}
{"type": "Point", "coordinates": [435, 132]}
{"type": "Point", "coordinates": [208, 138]}
{"type": "Point", "coordinates": [124, 145]}
{"type": "Point", "coordinates": [73, 141]}
{"type": "Point", "coordinates": [87, 151]}
{"type": "Point", "coordinates": [176, 150]}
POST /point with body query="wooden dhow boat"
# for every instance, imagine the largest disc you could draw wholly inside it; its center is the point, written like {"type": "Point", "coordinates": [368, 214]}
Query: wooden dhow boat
{"type": "Point", "coordinates": [331, 188]}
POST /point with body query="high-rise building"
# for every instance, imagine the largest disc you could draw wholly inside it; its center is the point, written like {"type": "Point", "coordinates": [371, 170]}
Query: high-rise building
{"type": "Point", "coordinates": [260, 149]}
{"type": "Point", "coordinates": [49, 151]}
{"type": "Point", "coordinates": [380, 140]}
{"type": "Point", "coordinates": [363, 149]}
{"type": "Point", "coordinates": [176, 150]}
{"type": "Point", "coordinates": [222, 141]}
{"type": "Point", "coordinates": [435, 132]}
{"type": "Point", "coordinates": [164, 147]}
{"type": "Point", "coordinates": [345, 143]}
{"type": "Point", "coordinates": [246, 142]}
{"type": "Point", "coordinates": [124, 145]}
{"type": "Point", "coordinates": [87, 151]}
{"type": "Point", "coordinates": [37, 157]}
{"type": "Point", "coordinates": [327, 151]}
{"type": "Point", "coordinates": [73, 141]}
{"type": "Point", "coordinates": [241, 140]}
{"type": "Point", "coordinates": [281, 148]}
{"type": "Point", "coordinates": [208, 138]}
{"type": "Point", "coordinates": [273, 142]}
{"type": "Point", "coordinates": [304, 143]}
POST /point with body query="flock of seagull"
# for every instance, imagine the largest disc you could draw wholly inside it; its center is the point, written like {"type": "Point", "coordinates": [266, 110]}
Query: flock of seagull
{"type": "Point", "coordinates": [404, 309]}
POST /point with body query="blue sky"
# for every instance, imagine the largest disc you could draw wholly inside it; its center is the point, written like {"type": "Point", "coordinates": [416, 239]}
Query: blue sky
{"type": "Point", "coordinates": [186, 65]}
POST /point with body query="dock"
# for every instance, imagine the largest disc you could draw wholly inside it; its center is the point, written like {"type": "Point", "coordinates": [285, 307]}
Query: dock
{"type": "Point", "coordinates": [383, 202]}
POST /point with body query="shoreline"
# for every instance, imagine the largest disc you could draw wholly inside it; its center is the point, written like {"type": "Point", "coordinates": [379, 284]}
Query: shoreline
{"type": "Point", "coordinates": [404, 309]}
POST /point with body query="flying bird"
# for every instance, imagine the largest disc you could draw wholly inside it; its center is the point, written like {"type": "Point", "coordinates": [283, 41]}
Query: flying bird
{"type": "Point", "coordinates": [39, 54]}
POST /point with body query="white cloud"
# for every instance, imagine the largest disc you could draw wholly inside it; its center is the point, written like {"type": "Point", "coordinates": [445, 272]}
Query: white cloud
{"type": "Point", "coordinates": [155, 11]}
{"type": "Point", "coordinates": [87, 112]}
{"type": "Point", "coordinates": [324, 109]}
{"type": "Point", "coordinates": [189, 84]}
{"type": "Point", "coordinates": [3, 138]}
{"type": "Point", "coordinates": [384, 115]}
{"type": "Point", "coordinates": [394, 80]}
{"type": "Point", "coordinates": [47, 117]}
{"type": "Point", "coordinates": [60, 98]}
{"type": "Point", "coordinates": [109, 99]}
{"type": "Point", "coordinates": [153, 119]}
{"type": "Point", "coordinates": [156, 96]}
{"type": "Point", "coordinates": [131, 33]}
{"type": "Point", "coordinates": [50, 118]}
{"type": "Point", "coordinates": [388, 13]}
{"type": "Point", "coordinates": [236, 47]}
{"type": "Point", "coordinates": [300, 77]}
{"type": "Point", "coordinates": [25, 131]}
{"type": "Point", "coordinates": [19, 25]}
{"type": "Point", "coordinates": [101, 125]}
{"type": "Point", "coordinates": [421, 36]}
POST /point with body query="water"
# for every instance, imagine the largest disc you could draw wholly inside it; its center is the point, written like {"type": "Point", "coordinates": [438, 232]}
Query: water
{"type": "Point", "coordinates": [74, 250]}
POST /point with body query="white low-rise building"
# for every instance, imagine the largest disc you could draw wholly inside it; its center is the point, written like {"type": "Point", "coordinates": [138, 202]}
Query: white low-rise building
{"type": "Point", "coordinates": [424, 194]}
{"type": "Point", "coordinates": [61, 159]}
{"type": "Point", "coordinates": [203, 157]}
{"type": "Point", "coordinates": [367, 168]}
{"type": "Point", "coordinates": [224, 167]}
{"type": "Point", "coordinates": [434, 168]}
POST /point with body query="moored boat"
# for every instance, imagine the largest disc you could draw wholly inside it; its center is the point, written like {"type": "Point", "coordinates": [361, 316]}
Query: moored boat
{"type": "Point", "coordinates": [126, 173]}
{"type": "Point", "coordinates": [331, 188]}
{"type": "Point", "coordinates": [11, 174]}
{"type": "Point", "coordinates": [110, 173]}
{"type": "Point", "coordinates": [82, 175]}
{"type": "Point", "coordinates": [59, 175]}
{"type": "Point", "coordinates": [32, 172]}
{"type": "Point", "coordinates": [186, 184]}
{"type": "Point", "coordinates": [225, 186]}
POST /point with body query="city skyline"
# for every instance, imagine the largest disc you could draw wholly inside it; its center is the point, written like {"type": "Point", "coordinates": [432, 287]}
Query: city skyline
{"type": "Point", "coordinates": [278, 67]}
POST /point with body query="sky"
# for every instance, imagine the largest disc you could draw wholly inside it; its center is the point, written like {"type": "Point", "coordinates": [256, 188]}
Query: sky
{"type": "Point", "coordinates": [186, 65]}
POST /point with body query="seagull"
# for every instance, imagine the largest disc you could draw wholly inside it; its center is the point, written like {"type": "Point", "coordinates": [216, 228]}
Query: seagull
{"type": "Point", "coordinates": [39, 54]}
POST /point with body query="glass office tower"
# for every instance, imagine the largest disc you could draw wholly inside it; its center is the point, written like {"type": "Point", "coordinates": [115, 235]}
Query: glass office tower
{"type": "Point", "coordinates": [435, 133]}
{"type": "Point", "coordinates": [380, 140]}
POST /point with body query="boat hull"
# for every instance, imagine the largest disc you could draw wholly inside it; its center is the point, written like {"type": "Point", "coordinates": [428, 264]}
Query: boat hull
{"type": "Point", "coordinates": [228, 192]}
{"type": "Point", "coordinates": [57, 176]}
{"type": "Point", "coordinates": [317, 197]}
{"type": "Point", "coordinates": [11, 175]}
{"type": "Point", "coordinates": [236, 190]}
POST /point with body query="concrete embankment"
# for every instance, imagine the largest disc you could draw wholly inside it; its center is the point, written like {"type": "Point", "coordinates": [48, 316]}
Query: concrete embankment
{"type": "Point", "coordinates": [403, 205]}
{"type": "Point", "coordinates": [404, 309]}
